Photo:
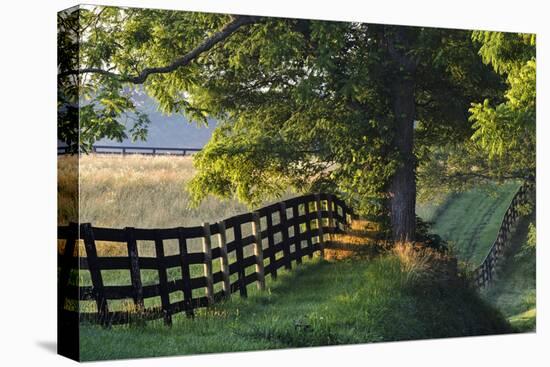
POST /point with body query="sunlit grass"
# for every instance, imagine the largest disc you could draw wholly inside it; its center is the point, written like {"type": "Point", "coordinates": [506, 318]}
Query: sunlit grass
{"type": "Point", "coordinates": [144, 191]}
{"type": "Point", "coordinates": [469, 221]}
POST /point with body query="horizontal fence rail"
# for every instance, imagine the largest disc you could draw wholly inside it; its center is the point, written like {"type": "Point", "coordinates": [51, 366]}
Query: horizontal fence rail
{"type": "Point", "coordinates": [485, 272]}
{"type": "Point", "coordinates": [124, 150]}
{"type": "Point", "coordinates": [275, 237]}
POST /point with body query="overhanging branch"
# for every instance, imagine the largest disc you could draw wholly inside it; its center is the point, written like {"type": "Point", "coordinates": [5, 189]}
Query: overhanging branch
{"type": "Point", "coordinates": [236, 22]}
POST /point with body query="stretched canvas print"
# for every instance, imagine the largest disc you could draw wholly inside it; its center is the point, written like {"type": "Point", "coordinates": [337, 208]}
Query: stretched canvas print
{"type": "Point", "coordinates": [235, 182]}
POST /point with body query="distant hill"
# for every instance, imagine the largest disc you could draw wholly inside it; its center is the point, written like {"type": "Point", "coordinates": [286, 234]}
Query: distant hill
{"type": "Point", "coordinates": [173, 131]}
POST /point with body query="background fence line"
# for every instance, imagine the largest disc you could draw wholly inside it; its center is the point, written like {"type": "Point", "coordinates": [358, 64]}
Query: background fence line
{"type": "Point", "coordinates": [128, 149]}
{"type": "Point", "coordinates": [485, 272]}
{"type": "Point", "coordinates": [303, 225]}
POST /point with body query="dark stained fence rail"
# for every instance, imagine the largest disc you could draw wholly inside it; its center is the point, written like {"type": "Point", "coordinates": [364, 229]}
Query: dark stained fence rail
{"type": "Point", "coordinates": [484, 273]}
{"type": "Point", "coordinates": [302, 225]}
{"type": "Point", "coordinates": [127, 150]}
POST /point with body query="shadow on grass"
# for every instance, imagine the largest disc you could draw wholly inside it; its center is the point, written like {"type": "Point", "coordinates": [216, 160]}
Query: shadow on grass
{"type": "Point", "coordinates": [318, 303]}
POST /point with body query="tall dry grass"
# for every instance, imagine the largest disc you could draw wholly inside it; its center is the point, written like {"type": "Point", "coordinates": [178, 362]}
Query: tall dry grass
{"type": "Point", "coordinates": [137, 191]}
{"type": "Point", "coordinates": [134, 191]}
{"type": "Point", "coordinates": [423, 264]}
{"type": "Point", "coordinates": [359, 241]}
{"type": "Point", "coordinates": [67, 189]}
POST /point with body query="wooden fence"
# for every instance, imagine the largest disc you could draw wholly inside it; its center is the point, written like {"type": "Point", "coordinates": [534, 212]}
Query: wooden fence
{"type": "Point", "coordinates": [302, 225]}
{"type": "Point", "coordinates": [484, 273]}
{"type": "Point", "coordinates": [127, 149]}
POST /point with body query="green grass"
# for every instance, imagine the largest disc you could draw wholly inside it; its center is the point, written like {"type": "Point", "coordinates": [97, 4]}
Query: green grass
{"type": "Point", "coordinates": [318, 303]}
{"type": "Point", "coordinates": [469, 221]}
{"type": "Point", "coordinates": [514, 291]}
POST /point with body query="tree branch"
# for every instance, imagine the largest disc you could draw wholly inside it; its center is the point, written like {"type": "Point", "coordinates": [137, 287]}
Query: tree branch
{"type": "Point", "coordinates": [230, 28]}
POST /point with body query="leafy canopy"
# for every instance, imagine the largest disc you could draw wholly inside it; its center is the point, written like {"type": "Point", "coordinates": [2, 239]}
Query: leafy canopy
{"type": "Point", "coordinates": [301, 104]}
{"type": "Point", "coordinates": [502, 143]}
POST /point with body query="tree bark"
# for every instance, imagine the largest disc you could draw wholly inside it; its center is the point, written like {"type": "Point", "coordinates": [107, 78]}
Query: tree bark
{"type": "Point", "coordinates": [403, 183]}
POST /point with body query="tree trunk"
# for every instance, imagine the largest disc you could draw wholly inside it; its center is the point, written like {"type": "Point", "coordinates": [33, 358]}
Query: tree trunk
{"type": "Point", "coordinates": [403, 184]}
{"type": "Point", "coordinates": [402, 191]}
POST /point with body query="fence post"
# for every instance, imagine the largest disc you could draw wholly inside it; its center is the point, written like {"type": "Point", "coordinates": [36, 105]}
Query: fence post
{"type": "Point", "coordinates": [95, 273]}
{"type": "Point", "coordinates": [240, 256]}
{"type": "Point", "coordinates": [135, 273]}
{"type": "Point", "coordinates": [330, 206]}
{"type": "Point", "coordinates": [222, 238]}
{"type": "Point", "coordinates": [271, 244]}
{"type": "Point", "coordinates": [258, 250]}
{"type": "Point", "coordinates": [163, 280]}
{"type": "Point", "coordinates": [344, 217]}
{"type": "Point", "coordinates": [207, 248]}
{"type": "Point", "coordinates": [320, 225]}
{"type": "Point", "coordinates": [308, 231]}
{"type": "Point", "coordinates": [297, 234]}
{"type": "Point", "coordinates": [185, 273]}
{"type": "Point", "coordinates": [284, 231]}
{"type": "Point", "coordinates": [67, 261]}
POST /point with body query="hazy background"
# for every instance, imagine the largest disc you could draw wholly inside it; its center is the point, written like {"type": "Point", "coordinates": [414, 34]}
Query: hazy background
{"type": "Point", "coordinates": [173, 131]}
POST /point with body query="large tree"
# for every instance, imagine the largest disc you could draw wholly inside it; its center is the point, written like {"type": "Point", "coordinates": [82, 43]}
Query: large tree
{"type": "Point", "coordinates": [309, 105]}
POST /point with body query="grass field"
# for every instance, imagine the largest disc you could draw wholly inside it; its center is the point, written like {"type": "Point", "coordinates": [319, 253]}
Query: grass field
{"type": "Point", "coordinates": [138, 191]}
{"type": "Point", "coordinates": [143, 191]}
{"type": "Point", "coordinates": [319, 303]}
{"type": "Point", "coordinates": [469, 221]}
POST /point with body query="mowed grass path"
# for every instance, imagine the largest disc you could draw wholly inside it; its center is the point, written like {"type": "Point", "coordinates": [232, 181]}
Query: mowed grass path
{"type": "Point", "coordinates": [318, 303]}
{"type": "Point", "coordinates": [470, 221]}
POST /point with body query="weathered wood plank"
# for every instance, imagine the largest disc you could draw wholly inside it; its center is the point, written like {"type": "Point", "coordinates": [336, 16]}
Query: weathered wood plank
{"type": "Point", "coordinates": [66, 264]}
{"type": "Point", "coordinates": [135, 272]}
{"type": "Point", "coordinates": [239, 263]}
{"type": "Point", "coordinates": [207, 249]}
{"type": "Point", "coordinates": [271, 244]}
{"type": "Point", "coordinates": [284, 230]}
{"type": "Point", "coordinates": [320, 232]}
{"type": "Point", "coordinates": [163, 282]}
{"type": "Point", "coordinates": [330, 205]}
{"type": "Point", "coordinates": [258, 250]}
{"type": "Point", "coordinates": [222, 238]}
{"type": "Point", "coordinates": [185, 273]}
{"type": "Point", "coordinates": [308, 230]}
{"type": "Point", "coordinates": [95, 273]}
